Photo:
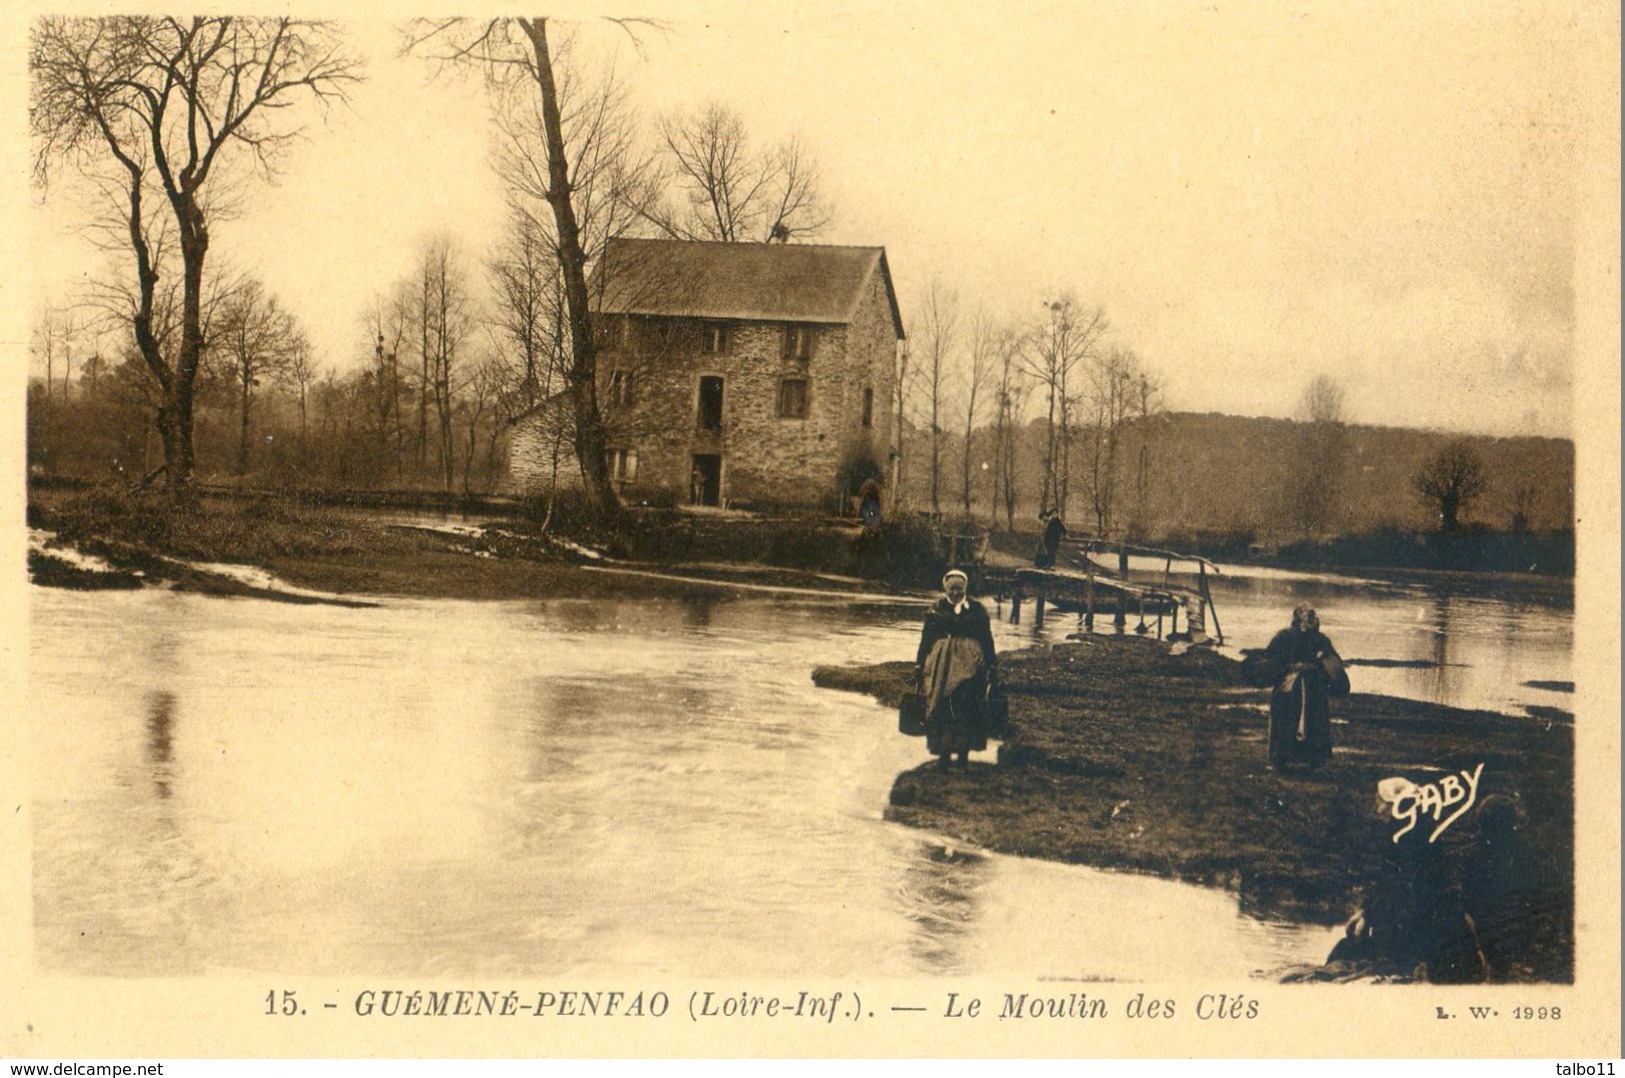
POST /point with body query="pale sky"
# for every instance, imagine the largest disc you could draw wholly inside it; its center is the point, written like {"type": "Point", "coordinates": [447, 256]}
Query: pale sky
{"type": "Point", "coordinates": [1254, 193]}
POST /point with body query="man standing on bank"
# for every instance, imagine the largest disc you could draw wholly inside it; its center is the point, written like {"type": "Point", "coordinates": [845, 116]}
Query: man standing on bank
{"type": "Point", "coordinates": [1050, 543]}
{"type": "Point", "coordinates": [957, 670]}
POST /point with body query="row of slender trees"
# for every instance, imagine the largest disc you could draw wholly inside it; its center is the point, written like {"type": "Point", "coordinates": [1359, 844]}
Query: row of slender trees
{"type": "Point", "coordinates": [163, 122]}
{"type": "Point", "coordinates": [962, 374]}
{"type": "Point", "coordinates": [414, 415]}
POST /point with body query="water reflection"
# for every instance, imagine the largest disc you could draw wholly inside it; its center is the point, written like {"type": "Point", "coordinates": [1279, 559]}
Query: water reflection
{"type": "Point", "coordinates": [697, 614]}
{"type": "Point", "coordinates": [1444, 688]}
{"type": "Point", "coordinates": [160, 739]}
{"type": "Point", "coordinates": [1434, 643]}
{"type": "Point", "coordinates": [938, 895]}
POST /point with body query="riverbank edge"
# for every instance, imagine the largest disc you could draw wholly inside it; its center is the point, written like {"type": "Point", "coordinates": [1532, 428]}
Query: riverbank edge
{"type": "Point", "coordinates": [426, 566]}
{"type": "Point", "coordinates": [282, 533]}
{"type": "Point", "coordinates": [1127, 754]}
{"type": "Point", "coordinates": [416, 564]}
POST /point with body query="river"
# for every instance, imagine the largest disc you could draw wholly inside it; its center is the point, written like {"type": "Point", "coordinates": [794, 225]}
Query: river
{"type": "Point", "coordinates": [541, 788]}
{"type": "Point", "coordinates": [1463, 644]}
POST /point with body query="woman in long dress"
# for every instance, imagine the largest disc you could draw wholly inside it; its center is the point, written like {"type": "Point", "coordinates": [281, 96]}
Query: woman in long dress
{"type": "Point", "coordinates": [956, 668]}
{"type": "Point", "coordinates": [1305, 671]}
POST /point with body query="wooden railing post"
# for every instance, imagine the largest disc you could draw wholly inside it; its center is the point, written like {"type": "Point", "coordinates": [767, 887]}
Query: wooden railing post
{"type": "Point", "coordinates": [1089, 603]}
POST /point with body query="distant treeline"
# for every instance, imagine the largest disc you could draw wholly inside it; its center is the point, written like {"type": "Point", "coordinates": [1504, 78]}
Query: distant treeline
{"type": "Point", "coordinates": [1234, 481]}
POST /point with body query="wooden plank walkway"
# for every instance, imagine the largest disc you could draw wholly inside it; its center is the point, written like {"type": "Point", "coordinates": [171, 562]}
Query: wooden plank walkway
{"type": "Point", "coordinates": [1088, 589]}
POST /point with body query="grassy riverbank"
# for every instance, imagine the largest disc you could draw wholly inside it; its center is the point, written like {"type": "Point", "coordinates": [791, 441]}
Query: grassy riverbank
{"type": "Point", "coordinates": [366, 550]}
{"type": "Point", "coordinates": [146, 540]}
{"type": "Point", "coordinates": [1126, 755]}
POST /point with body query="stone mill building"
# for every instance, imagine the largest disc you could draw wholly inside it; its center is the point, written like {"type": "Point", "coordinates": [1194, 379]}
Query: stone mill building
{"type": "Point", "coordinates": [750, 375]}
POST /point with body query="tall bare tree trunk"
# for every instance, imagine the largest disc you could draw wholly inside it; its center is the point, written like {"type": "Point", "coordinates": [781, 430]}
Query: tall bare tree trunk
{"type": "Point", "coordinates": [178, 449]}
{"type": "Point", "coordinates": [245, 378]}
{"type": "Point", "coordinates": [423, 377]}
{"type": "Point", "coordinates": [589, 430]}
{"type": "Point", "coordinates": [395, 405]}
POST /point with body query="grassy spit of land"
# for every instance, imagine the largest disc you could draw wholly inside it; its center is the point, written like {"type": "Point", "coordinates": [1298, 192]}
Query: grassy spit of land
{"type": "Point", "coordinates": [1127, 753]}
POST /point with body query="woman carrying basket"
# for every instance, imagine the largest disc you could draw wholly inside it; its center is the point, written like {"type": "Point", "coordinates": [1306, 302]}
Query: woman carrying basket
{"type": "Point", "coordinates": [1304, 670]}
{"type": "Point", "coordinates": [956, 669]}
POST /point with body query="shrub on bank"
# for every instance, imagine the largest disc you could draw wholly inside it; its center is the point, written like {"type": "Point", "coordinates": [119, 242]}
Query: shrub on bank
{"type": "Point", "coordinates": [902, 551]}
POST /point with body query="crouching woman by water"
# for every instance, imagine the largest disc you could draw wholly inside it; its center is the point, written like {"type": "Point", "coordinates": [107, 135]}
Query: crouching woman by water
{"type": "Point", "coordinates": [957, 670]}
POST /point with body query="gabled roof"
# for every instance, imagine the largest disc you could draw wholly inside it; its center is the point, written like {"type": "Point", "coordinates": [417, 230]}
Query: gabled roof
{"type": "Point", "coordinates": [771, 282]}
{"type": "Point", "coordinates": [561, 399]}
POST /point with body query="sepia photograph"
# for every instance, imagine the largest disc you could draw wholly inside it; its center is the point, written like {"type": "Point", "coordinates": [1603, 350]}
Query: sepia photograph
{"type": "Point", "coordinates": [815, 530]}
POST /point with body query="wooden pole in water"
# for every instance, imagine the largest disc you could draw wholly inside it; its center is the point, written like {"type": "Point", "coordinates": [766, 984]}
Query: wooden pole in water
{"type": "Point", "coordinates": [1207, 598]}
{"type": "Point", "coordinates": [1089, 601]}
{"type": "Point", "coordinates": [1038, 609]}
{"type": "Point", "coordinates": [1120, 621]}
{"type": "Point", "coordinates": [1015, 607]}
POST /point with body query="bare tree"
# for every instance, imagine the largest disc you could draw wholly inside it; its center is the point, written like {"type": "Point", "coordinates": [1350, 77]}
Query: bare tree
{"type": "Point", "coordinates": [149, 106]}
{"type": "Point", "coordinates": [422, 311]}
{"type": "Point", "coordinates": [43, 343]}
{"type": "Point", "coordinates": [389, 320]}
{"type": "Point", "coordinates": [117, 300]}
{"type": "Point", "coordinates": [528, 297]}
{"type": "Point", "coordinates": [482, 392]}
{"type": "Point", "coordinates": [1526, 501]}
{"type": "Point", "coordinates": [1324, 441]}
{"type": "Point", "coordinates": [728, 191]}
{"type": "Point", "coordinates": [565, 152]}
{"type": "Point", "coordinates": [977, 374]}
{"type": "Point", "coordinates": [51, 340]}
{"type": "Point", "coordinates": [1051, 354]}
{"type": "Point", "coordinates": [1322, 401]}
{"type": "Point", "coordinates": [91, 370]}
{"type": "Point", "coordinates": [255, 341]}
{"type": "Point", "coordinates": [1450, 480]}
{"type": "Point", "coordinates": [936, 330]}
{"type": "Point", "coordinates": [903, 388]}
{"type": "Point", "coordinates": [342, 405]}
{"type": "Point", "coordinates": [445, 324]}
{"type": "Point", "coordinates": [1113, 383]}
{"type": "Point", "coordinates": [1148, 409]}
{"type": "Point", "coordinates": [1011, 389]}
{"type": "Point", "coordinates": [301, 372]}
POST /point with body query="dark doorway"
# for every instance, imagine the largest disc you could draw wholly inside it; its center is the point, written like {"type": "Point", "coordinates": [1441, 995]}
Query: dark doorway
{"type": "Point", "coordinates": [705, 485]}
{"type": "Point", "coordinates": [710, 403]}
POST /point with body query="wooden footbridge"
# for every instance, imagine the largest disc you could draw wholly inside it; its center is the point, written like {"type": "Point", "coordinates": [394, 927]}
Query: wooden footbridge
{"type": "Point", "coordinates": [1079, 583]}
